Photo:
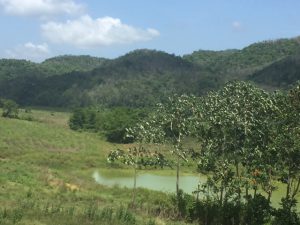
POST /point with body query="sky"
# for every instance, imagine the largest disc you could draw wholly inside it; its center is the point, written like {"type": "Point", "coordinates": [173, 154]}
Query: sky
{"type": "Point", "coordinates": [40, 29]}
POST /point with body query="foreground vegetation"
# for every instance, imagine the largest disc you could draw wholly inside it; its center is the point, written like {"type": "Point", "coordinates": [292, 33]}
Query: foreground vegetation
{"type": "Point", "coordinates": [249, 140]}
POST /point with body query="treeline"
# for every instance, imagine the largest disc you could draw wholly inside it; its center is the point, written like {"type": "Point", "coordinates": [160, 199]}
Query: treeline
{"type": "Point", "coordinates": [111, 123]}
{"type": "Point", "coordinates": [249, 141]}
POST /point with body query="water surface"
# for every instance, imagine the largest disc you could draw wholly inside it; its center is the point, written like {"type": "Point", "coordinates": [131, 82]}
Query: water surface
{"type": "Point", "coordinates": [154, 182]}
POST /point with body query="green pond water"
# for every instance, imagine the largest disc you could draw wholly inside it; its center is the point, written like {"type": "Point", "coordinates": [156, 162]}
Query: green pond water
{"type": "Point", "coordinates": [167, 183]}
{"type": "Point", "coordinates": [154, 182]}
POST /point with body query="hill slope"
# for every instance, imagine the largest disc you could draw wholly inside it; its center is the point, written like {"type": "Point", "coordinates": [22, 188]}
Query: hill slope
{"type": "Point", "coordinates": [238, 64]}
{"type": "Point", "coordinates": [139, 78]}
{"type": "Point", "coordinates": [69, 63]}
{"type": "Point", "coordinates": [279, 74]}
{"type": "Point", "coordinates": [46, 177]}
{"type": "Point", "coordinates": [15, 68]}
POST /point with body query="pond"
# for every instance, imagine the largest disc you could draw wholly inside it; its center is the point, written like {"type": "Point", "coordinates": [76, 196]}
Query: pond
{"type": "Point", "coordinates": [154, 182]}
{"type": "Point", "coordinates": [167, 183]}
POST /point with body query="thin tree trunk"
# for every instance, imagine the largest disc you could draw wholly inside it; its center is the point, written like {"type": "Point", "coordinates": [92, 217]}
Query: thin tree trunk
{"type": "Point", "coordinates": [198, 191]}
{"type": "Point", "coordinates": [134, 188]}
{"type": "Point", "coordinates": [221, 194]}
{"type": "Point", "coordinates": [295, 191]}
{"type": "Point", "coordinates": [178, 161]}
{"type": "Point", "coordinates": [288, 187]}
{"type": "Point", "coordinates": [239, 190]}
{"type": "Point", "coordinates": [177, 176]}
{"type": "Point", "coordinates": [269, 196]}
{"type": "Point", "coordinates": [239, 177]}
{"type": "Point", "coordinates": [270, 186]}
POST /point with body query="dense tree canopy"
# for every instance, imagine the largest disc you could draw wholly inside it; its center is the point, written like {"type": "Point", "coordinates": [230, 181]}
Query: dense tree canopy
{"type": "Point", "coordinates": [111, 123]}
{"type": "Point", "coordinates": [145, 77]}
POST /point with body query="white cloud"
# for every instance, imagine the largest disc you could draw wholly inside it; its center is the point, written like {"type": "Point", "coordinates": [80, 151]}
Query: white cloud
{"type": "Point", "coordinates": [236, 25]}
{"type": "Point", "coordinates": [40, 8]}
{"type": "Point", "coordinates": [29, 51]}
{"type": "Point", "coordinates": [87, 32]}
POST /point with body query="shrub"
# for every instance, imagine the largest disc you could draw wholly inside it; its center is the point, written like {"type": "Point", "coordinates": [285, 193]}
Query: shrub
{"type": "Point", "coordinates": [287, 213]}
{"type": "Point", "coordinates": [10, 108]}
{"type": "Point", "coordinates": [257, 210]}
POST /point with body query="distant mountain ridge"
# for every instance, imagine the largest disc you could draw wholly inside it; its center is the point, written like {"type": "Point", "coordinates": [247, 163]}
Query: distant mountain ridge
{"type": "Point", "coordinates": [241, 63]}
{"type": "Point", "coordinates": [144, 77]}
{"type": "Point", "coordinates": [138, 79]}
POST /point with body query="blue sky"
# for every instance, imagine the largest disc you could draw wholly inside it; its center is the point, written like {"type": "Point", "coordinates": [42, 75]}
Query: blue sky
{"type": "Point", "coordinates": [39, 29]}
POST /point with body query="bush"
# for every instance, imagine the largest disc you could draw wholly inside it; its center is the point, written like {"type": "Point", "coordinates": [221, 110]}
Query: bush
{"type": "Point", "coordinates": [184, 203]}
{"type": "Point", "coordinates": [10, 108]}
{"type": "Point", "coordinates": [257, 210]}
{"type": "Point", "coordinates": [286, 215]}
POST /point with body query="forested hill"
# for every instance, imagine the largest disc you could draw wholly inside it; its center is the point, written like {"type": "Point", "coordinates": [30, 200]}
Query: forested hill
{"type": "Point", "coordinates": [239, 64]}
{"type": "Point", "coordinates": [280, 74]}
{"type": "Point", "coordinates": [144, 77]}
{"type": "Point", "coordinates": [14, 68]}
{"type": "Point", "coordinates": [139, 78]}
{"type": "Point", "coordinates": [68, 63]}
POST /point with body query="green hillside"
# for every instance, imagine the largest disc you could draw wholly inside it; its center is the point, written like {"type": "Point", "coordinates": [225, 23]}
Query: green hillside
{"type": "Point", "coordinates": [279, 74]}
{"type": "Point", "coordinates": [144, 77]}
{"type": "Point", "coordinates": [46, 177]}
{"type": "Point", "coordinates": [140, 78]}
{"type": "Point", "coordinates": [238, 64]}
{"type": "Point", "coordinates": [14, 68]}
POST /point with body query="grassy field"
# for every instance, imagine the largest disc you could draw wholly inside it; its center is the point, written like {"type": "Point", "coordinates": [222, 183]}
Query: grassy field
{"type": "Point", "coordinates": [46, 177]}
